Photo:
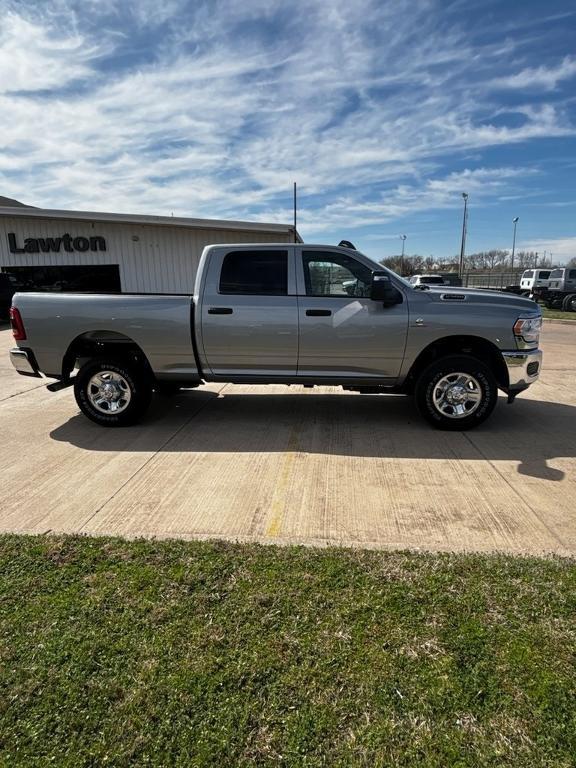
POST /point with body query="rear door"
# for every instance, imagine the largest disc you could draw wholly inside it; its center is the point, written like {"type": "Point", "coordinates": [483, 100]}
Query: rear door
{"type": "Point", "coordinates": [250, 312]}
{"type": "Point", "coordinates": [343, 333]}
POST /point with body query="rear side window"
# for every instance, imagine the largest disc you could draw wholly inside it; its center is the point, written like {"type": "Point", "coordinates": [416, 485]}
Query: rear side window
{"type": "Point", "coordinates": [544, 274]}
{"type": "Point", "coordinates": [557, 273]}
{"type": "Point", "coordinates": [255, 273]}
{"type": "Point", "coordinates": [572, 275]}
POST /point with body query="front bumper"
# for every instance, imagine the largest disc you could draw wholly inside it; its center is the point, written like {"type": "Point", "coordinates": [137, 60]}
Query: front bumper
{"type": "Point", "coordinates": [523, 368]}
{"type": "Point", "coordinates": [25, 362]}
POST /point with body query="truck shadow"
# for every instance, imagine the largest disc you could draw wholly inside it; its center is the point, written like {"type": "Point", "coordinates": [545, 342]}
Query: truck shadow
{"type": "Point", "coordinates": [529, 433]}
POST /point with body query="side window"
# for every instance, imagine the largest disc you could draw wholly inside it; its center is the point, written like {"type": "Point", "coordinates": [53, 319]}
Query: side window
{"type": "Point", "coordinates": [255, 273]}
{"type": "Point", "coordinates": [572, 275]}
{"type": "Point", "coordinates": [335, 274]}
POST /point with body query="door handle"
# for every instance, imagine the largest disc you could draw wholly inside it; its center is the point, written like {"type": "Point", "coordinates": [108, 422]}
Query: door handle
{"type": "Point", "coordinates": [318, 312]}
{"type": "Point", "coordinates": [220, 311]}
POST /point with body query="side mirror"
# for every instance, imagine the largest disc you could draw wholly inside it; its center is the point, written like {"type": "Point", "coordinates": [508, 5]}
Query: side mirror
{"type": "Point", "coordinates": [383, 290]}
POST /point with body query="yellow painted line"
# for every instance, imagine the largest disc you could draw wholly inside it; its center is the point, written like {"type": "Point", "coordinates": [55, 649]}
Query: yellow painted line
{"type": "Point", "coordinates": [279, 501]}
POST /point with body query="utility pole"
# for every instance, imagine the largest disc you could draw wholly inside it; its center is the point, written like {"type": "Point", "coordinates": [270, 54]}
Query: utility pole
{"type": "Point", "coordinates": [515, 222]}
{"type": "Point", "coordinates": [463, 245]}
{"type": "Point", "coordinates": [295, 238]}
{"type": "Point", "coordinates": [403, 238]}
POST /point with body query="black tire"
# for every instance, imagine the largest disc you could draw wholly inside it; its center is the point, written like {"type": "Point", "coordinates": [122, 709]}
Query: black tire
{"type": "Point", "coordinates": [483, 385]}
{"type": "Point", "coordinates": [138, 387]}
{"type": "Point", "coordinates": [569, 303]}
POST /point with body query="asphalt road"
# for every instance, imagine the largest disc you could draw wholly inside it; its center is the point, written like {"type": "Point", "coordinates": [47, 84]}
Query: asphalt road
{"type": "Point", "coordinates": [288, 464]}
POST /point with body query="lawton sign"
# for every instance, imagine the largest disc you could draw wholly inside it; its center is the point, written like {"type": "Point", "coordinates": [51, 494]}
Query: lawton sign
{"type": "Point", "coordinates": [54, 244]}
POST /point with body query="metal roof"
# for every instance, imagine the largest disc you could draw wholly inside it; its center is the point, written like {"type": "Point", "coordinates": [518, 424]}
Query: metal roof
{"type": "Point", "coordinates": [162, 221]}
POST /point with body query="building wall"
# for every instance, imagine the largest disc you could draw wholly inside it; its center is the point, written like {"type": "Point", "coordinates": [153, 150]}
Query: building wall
{"type": "Point", "coordinates": [152, 258]}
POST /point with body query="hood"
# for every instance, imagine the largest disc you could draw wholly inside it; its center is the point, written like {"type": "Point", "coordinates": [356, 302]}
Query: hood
{"type": "Point", "coordinates": [463, 296]}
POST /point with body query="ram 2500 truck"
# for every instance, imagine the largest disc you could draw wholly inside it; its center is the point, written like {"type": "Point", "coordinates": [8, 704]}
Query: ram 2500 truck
{"type": "Point", "coordinates": [288, 314]}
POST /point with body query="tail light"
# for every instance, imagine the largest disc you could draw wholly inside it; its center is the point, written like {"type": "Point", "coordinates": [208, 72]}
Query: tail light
{"type": "Point", "coordinates": [18, 330]}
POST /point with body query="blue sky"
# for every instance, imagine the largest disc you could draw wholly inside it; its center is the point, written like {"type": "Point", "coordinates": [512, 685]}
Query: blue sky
{"type": "Point", "coordinates": [383, 111]}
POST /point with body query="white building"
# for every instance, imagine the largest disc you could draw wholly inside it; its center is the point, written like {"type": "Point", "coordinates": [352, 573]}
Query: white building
{"type": "Point", "coordinates": [77, 250]}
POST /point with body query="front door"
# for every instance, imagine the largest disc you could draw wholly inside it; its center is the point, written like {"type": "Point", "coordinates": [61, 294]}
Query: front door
{"type": "Point", "coordinates": [343, 333]}
{"type": "Point", "coordinates": [250, 313]}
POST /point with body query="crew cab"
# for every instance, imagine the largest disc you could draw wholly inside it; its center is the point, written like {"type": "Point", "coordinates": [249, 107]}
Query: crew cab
{"type": "Point", "coordinates": [284, 314]}
{"type": "Point", "coordinates": [561, 290]}
{"type": "Point", "coordinates": [532, 279]}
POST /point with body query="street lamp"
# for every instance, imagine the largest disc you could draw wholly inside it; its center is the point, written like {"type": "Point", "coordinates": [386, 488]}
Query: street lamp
{"type": "Point", "coordinates": [463, 246]}
{"type": "Point", "coordinates": [515, 222]}
{"type": "Point", "coordinates": [403, 238]}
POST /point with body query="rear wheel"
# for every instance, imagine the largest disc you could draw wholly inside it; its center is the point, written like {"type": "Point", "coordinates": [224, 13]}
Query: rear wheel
{"type": "Point", "coordinates": [113, 393]}
{"type": "Point", "coordinates": [456, 392]}
{"type": "Point", "coordinates": [569, 303]}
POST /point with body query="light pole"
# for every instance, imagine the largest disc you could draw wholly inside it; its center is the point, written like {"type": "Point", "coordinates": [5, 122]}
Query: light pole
{"type": "Point", "coordinates": [463, 246]}
{"type": "Point", "coordinates": [515, 222]}
{"type": "Point", "coordinates": [403, 238]}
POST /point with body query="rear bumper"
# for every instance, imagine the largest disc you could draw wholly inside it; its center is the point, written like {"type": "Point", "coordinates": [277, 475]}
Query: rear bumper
{"type": "Point", "coordinates": [25, 362]}
{"type": "Point", "coordinates": [523, 368]}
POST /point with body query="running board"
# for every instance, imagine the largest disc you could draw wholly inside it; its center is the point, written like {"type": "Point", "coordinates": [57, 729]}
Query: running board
{"type": "Point", "coordinates": [58, 385]}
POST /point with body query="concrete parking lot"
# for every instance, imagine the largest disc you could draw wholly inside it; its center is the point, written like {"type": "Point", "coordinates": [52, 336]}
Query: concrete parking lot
{"type": "Point", "coordinates": [288, 464]}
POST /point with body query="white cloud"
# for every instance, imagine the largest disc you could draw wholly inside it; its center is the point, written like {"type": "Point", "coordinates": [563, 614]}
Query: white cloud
{"type": "Point", "coordinates": [561, 249]}
{"type": "Point", "coordinates": [539, 77]}
{"type": "Point", "coordinates": [219, 120]}
{"type": "Point", "coordinates": [32, 58]}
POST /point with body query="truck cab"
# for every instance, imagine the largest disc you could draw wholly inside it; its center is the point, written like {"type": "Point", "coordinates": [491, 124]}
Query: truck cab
{"type": "Point", "coordinates": [533, 278]}
{"type": "Point", "coordinates": [560, 292]}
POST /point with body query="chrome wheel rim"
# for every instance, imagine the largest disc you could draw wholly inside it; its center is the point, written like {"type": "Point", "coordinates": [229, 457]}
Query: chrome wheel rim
{"type": "Point", "coordinates": [109, 392]}
{"type": "Point", "coordinates": [457, 395]}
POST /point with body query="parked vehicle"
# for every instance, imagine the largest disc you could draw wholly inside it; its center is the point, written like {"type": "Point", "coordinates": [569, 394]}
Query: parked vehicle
{"type": "Point", "coordinates": [561, 290]}
{"type": "Point", "coordinates": [5, 297]}
{"type": "Point", "coordinates": [533, 278]}
{"type": "Point", "coordinates": [283, 314]}
{"type": "Point", "coordinates": [427, 280]}
{"type": "Point", "coordinates": [7, 290]}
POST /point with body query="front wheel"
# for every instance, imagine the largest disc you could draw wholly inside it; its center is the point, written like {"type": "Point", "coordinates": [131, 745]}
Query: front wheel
{"type": "Point", "coordinates": [456, 392]}
{"type": "Point", "coordinates": [569, 303]}
{"type": "Point", "coordinates": [112, 393]}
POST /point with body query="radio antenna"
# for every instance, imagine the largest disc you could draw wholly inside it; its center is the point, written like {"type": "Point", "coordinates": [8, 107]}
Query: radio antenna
{"type": "Point", "coordinates": [295, 209]}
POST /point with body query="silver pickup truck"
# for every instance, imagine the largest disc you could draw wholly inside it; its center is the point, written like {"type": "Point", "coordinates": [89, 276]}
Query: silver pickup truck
{"type": "Point", "coordinates": [284, 314]}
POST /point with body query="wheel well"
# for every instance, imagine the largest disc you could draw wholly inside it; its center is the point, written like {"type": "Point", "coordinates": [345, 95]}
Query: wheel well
{"type": "Point", "coordinates": [100, 344]}
{"type": "Point", "coordinates": [466, 345]}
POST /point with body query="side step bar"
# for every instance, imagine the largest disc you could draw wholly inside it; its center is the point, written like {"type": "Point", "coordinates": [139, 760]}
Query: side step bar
{"type": "Point", "coordinates": [58, 385]}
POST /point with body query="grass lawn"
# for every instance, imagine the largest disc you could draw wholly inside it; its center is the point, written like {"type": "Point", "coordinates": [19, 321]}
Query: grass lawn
{"type": "Point", "coordinates": [556, 314]}
{"type": "Point", "coordinates": [144, 653]}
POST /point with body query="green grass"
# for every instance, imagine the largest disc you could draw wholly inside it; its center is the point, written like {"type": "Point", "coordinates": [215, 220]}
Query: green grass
{"type": "Point", "coordinates": [557, 314]}
{"type": "Point", "coordinates": [143, 653]}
